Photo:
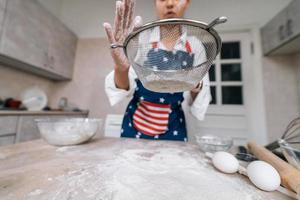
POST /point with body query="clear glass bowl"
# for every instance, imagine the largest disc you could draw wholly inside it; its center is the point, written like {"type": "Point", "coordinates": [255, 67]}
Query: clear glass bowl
{"type": "Point", "coordinates": [291, 152]}
{"type": "Point", "coordinates": [212, 143]}
{"type": "Point", "coordinates": [71, 131]}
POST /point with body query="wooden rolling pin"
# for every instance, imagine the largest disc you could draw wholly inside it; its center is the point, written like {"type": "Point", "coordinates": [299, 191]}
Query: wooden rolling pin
{"type": "Point", "coordinates": [290, 176]}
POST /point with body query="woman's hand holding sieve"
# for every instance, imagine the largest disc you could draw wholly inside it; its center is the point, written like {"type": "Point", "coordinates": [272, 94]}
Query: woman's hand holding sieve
{"type": "Point", "coordinates": [123, 26]}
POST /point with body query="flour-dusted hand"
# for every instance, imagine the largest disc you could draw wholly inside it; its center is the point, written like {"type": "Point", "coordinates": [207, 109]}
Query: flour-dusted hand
{"type": "Point", "coordinates": [123, 26]}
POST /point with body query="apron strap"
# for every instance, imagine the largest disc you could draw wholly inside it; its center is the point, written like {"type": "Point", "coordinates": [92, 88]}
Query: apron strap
{"type": "Point", "coordinates": [187, 46]}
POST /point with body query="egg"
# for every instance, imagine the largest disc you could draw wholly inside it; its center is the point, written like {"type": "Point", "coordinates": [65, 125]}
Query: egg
{"type": "Point", "coordinates": [263, 175]}
{"type": "Point", "coordinates": [225, 162]}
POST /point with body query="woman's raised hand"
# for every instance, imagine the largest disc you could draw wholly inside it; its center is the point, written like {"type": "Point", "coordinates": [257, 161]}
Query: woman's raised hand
{"type": "Point", "coordinates": [124, 23]}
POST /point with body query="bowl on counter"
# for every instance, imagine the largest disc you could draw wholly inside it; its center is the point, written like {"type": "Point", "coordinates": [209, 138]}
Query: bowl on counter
{"type": "Point", "coordinates": [70, 131]}
{"type": "Point", "coordinates": [212, 143]}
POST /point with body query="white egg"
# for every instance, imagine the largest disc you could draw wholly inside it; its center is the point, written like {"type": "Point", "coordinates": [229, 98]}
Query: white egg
{"type": "Point", "coordinates": [263, 175]}
{"type": "Point", "coordinates": [225, 162]}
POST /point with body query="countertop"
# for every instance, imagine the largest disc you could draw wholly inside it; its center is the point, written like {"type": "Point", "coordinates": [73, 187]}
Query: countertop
{"type": "Point", "coordinates": [25, 112]}
{"type": "Point", "coordinates": [118, 169]}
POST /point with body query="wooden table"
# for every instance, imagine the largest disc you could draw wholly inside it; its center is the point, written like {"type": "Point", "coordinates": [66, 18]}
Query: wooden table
{"type": "Point", "coordinates": [118, 169]}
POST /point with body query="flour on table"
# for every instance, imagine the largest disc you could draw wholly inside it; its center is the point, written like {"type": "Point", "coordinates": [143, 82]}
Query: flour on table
{"type": "Point", "coordinates": [161, 174]}
{"type": "Point", "coordinates": [2, 156]}
{"type": "Point", "coordinates": [36, 192]}
{"type": "Point", "coordinates": [63, 149]}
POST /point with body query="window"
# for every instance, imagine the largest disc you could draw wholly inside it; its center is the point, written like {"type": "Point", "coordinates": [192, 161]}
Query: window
{"type": "Point", "coordinates": [226, 76]}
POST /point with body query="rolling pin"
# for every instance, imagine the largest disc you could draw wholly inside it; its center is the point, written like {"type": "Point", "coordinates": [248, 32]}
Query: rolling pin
{"type": "Point", "coordinates": [290, 176]}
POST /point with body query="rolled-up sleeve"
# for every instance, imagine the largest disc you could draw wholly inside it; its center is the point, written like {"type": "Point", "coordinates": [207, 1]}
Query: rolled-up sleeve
{"type": "Point", "coordinates": [116, 95]}
{"type": "Point", "coordinates": [199, 106]}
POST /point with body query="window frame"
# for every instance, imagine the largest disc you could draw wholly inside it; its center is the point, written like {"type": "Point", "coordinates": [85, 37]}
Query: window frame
{"type": "Point", "coordinates": [229, 109]}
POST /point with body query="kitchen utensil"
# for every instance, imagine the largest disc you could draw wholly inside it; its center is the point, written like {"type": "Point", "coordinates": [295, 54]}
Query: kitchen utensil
{"type": "Point", "coordinates": [70, 131]}
{"type": "Point", "coordinates": [244, 155]}
{"type": "Point", "coordinates": [290, 176]}
{"type": "Point", "coordinates": [34, 99]}
{"type": "Point", "coordinates": [291, 153]}
{"type": "Point", "coordinates": [291, 135]}
{"type": "Point", "coordinates": [63, 103]}
{"type": "Point", "coordinates": [162, 73]}
{"type": "Point", "coordinates": [212, 143]}
{"type": "Point", "coordinates": [12, 103]}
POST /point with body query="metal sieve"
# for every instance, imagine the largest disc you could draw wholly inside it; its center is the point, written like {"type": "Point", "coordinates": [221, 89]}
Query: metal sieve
{"type": "Point", "coordinates": [172, 55]}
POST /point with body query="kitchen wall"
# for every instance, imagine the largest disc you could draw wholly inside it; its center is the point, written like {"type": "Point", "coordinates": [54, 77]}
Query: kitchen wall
{"type": "Point", "coordinates": [281, 89]}
{"type": "Point", "coordinates": [86, 90]}
{"type": "Point", "coordinates": [13, 82]}
{"type": "Point", "coordinates": [54, 6]}
{"type": "Point", "coordinates": [85, 18]}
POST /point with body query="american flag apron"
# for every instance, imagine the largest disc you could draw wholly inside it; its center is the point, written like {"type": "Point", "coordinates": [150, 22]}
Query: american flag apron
{"type": "Point", "coordinates": [151, 118]}
{"type": "Point", "coordinates": [152, 115]}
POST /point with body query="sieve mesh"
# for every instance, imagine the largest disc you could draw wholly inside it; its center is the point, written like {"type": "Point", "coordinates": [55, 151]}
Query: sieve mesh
{"type": "Point", "coordinates": [172, 56]}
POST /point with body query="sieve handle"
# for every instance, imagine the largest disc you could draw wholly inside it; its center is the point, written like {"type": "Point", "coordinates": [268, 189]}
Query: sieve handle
{"type": "Point", "coordinates": [219, 20]}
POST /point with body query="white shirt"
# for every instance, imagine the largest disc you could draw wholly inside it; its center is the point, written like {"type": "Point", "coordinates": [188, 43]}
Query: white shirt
{"type": "Point", "coordinates": [198, 107]}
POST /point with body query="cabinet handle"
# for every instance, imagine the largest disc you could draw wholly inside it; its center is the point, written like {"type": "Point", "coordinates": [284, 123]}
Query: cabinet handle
{"type": "Point", "coordinates": [281, 32]}
{"type": "Point", "coordinates": [289, 27]}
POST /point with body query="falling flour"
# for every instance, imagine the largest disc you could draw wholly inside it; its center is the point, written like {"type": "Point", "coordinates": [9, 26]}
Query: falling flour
{"type": "Point", "coordinates": [149, 174]}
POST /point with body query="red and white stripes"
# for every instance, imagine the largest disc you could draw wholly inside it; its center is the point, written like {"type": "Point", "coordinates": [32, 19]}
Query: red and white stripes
{"type": "Point", "coordinates": [151, 118]}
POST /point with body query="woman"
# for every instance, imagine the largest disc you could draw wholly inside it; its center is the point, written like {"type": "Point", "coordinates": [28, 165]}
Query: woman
{"type": "Point", "coordinates": [152, 115]}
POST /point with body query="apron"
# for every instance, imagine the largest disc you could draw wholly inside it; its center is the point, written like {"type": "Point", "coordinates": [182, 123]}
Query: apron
{"type": "Point", "coordinates": [153, 115]}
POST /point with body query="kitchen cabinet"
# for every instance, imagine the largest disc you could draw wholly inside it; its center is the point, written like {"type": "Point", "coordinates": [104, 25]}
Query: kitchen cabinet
{"type": "Point", "coordinates": [35, 41]}
{"type": "Point", "coordinates": [2, 12]}
{"type": "Point", "coordinates": [6, 140]}
{"type": "Point", "coordinates": [62, 48]}
{"type": "Point", "coordinates": [18, 127]}
{"type": "Point", "coordinates": [282, 34]}
{"type": "Point", "coordinates": [8, 125]}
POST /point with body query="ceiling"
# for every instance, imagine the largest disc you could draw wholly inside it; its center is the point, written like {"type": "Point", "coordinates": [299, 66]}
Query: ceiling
{"type": "Point", "coordinates": [85, 17]}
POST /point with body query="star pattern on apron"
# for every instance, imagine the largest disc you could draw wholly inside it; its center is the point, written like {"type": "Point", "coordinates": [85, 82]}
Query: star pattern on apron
{"type": "Point", "coordinates": [159, 59]}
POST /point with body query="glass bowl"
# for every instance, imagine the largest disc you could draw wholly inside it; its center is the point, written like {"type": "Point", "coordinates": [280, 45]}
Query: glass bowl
{"type": "Point", "coordinates": [71, 131]}
{"type": "Point", "coordinates": [212, 143]}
